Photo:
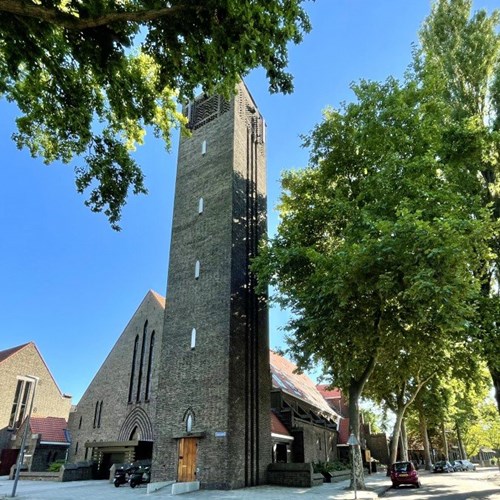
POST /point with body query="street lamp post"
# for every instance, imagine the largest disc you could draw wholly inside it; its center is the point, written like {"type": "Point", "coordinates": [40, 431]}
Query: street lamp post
{"type": "Point", "coordinates": [20, 458]}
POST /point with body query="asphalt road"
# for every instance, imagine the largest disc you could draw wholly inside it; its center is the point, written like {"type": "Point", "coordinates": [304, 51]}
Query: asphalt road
{"type": "Point", "coordinates": [483, 484]}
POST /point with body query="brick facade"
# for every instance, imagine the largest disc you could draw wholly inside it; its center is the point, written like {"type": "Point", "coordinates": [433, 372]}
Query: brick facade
{"type": "Point", "coordinates": [114, 408]}
{"type": "Point", "coordinates": [15, 365]}
{"type": "Point", "coordinates": [222, 383]}
{"type": "Point", "coordinates": [49, 400]}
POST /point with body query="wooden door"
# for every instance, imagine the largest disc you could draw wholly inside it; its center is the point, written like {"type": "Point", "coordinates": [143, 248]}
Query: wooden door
{"type": "Point", "coordinates": [8, 458]}
{"type": "Point", "coordinates": [187, 460]}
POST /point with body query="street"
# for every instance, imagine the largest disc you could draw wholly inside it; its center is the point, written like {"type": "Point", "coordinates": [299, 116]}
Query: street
{"type": "Point", "coordinates": [479, 485]}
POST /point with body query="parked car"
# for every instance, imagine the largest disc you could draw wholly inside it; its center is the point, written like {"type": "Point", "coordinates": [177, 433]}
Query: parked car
{"type": "Point", "coordinates": [443, 466]}
{"type": "Point", "coordinates": [404, 473]}
{"type": "Point", "coordinates": [457, 466]}
{"type": "Point", "coordinates": [464, 465]}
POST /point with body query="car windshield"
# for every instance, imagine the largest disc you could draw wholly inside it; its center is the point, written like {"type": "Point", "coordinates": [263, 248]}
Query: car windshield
{"type": "Point", "coordinates": [441, 463]}
{"type": "Point", "coordinates": [402, 467]}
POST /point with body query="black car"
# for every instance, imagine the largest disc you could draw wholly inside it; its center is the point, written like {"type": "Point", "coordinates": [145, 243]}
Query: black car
{"type": "Point", "coordinates": [443, 466]}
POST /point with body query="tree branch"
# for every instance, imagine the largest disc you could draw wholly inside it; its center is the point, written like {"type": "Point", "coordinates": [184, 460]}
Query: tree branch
{"type": "Point", "coordinates": [25, 8]}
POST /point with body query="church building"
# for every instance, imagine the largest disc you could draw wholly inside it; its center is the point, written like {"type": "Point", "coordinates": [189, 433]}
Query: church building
{"type": "Point", "coordinates": [213, 403]}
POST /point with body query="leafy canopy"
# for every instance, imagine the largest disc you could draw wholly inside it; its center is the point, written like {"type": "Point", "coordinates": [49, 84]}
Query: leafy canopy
{"type": "Point", "coordinates": [374, 250]}
{"type": "Point", "coordinates": [459, 65]}
{"type": "Point", "coordinates": [90, 77]}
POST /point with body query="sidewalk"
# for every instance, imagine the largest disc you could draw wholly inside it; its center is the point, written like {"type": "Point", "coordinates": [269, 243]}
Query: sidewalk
{"type": "Point", "coordinates": [99, 490]}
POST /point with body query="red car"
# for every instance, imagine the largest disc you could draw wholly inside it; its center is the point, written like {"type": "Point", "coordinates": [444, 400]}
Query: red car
{"type": "Point", "coordinates": [404, 473]}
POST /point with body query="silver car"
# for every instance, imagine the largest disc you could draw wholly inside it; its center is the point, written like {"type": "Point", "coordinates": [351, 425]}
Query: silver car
{"type": "Point", "coordinates": [464, 465]}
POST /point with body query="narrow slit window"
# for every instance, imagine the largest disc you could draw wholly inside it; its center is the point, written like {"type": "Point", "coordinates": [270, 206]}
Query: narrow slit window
{"type": "Point", "coordinates": [197, 269]}
{"type": "Point", "coordinates": [200, 206]}
{"type": "Point", "coordinates": [141, 363]}
{"type": "Point", "coordinates": [95, 414]}
{"type": "Point", "coordinates": [204, 147]}
{"type": "Point", "coordinates": [193, 338]}
{"type": "Point", "coordinates": [99, 416]}
{"type": "Point", "coordinates": [150, 365]}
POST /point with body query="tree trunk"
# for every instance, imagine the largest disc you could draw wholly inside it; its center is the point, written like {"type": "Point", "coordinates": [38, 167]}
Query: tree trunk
{"type": "Point", "coordinates": [461, 447]}
{"type": "Point", "coordinates": [495, 376]}
{"type": "Point", "coordinates": [445, 443]}
{"type": "Point", "coordinates": [357, 474]}
{"type": "Point", "coordinates": [395, 435]}
{"type": "Point", "coordinates": [425, 439]}
{"type": "Point", "coordinates": [404, 441]}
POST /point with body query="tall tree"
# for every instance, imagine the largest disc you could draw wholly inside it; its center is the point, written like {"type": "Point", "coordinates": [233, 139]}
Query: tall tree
{"type": "Point", "coordinates": [372, 243]}
{"type": "Point", "coordinates": [459, 65]}
{"type": "Point", "coordinates": [89, 77]}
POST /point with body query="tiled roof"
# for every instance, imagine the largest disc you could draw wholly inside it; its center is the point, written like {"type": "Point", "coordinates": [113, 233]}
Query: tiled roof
{"type": "Point", "coordinates": [298, 385]}
{"type": "Point", "coordinates": [329, 393]}
{"type": "Point", "coordinates": [9, 352]}
{"type": "Point", "coordinates": [52, 429]}
{"type": "Point", "coordinates": [277, 426]}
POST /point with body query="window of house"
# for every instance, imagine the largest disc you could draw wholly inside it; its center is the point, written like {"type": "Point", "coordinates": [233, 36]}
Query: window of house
{"type": "Point", "coordinates": [15, 404]}
{"type": "Point", "coordinates": [26, 391]}
{"type": "Point", "coordinates": [76, 448]}
{"type": "Point", "coordinates": [197, 269]}
{"type": "Point", "coordinates": [204, 147]}
{"type": "Point", "coordinates": [150, 365]}
{"type": "Point", "coordinates": [200, 206]}
{"type": "Point", "coordinates": [80, 423]}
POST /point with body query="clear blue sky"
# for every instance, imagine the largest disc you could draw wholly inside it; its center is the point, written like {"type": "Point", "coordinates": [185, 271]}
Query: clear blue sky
{"type": "Point", "coordinates": [70, 283]}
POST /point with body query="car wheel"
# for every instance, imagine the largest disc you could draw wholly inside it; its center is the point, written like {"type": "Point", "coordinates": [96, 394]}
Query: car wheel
{"type": "Point", "coordinates": [133, 484]}
{"type": "Point", "coordinates": [418, 485]}
{"type": "Point", "coordinates": [116, 483]}
{"type": "Point", "coordinates": [394, 485]}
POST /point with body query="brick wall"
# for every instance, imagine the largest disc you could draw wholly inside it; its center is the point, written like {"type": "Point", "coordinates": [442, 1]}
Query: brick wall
{"type": "Point", "coordinates": [111, 384]}
{"type": "Point", "coordinates": [296, 475]}
{"type": "Point", "coordinates": [49, 400]}
{"type": "Point", "coordinates": [224, 381]}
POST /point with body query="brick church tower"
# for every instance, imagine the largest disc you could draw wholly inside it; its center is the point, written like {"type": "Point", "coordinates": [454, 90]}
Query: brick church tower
{"type": "Point", "coordinates": [213, 403]}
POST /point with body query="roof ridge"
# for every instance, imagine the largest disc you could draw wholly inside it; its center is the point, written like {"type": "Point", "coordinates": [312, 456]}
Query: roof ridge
{"type": "Point", "coordinates": [7, 353]}
{"type": "Point", "coordinates": [160, 298]}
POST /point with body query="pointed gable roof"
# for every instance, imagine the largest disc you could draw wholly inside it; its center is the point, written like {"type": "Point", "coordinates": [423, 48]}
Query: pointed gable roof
{"type": "Point", "coordinates": [277, 426]}
{"type": "Point", "coordinates": [52, 429]}
{"type": "Point", "coordinates": [9, 352]}
{"type": "Point", "coordinates": [158, 297]}
{"type": "Point", "coordinates": [327, 393]}
{"type": "Point", "coordinates": [285, 377]}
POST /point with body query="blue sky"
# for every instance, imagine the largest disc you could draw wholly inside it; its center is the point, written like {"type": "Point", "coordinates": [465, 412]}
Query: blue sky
{"type": "Point", "coordinates": [70, 283]}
